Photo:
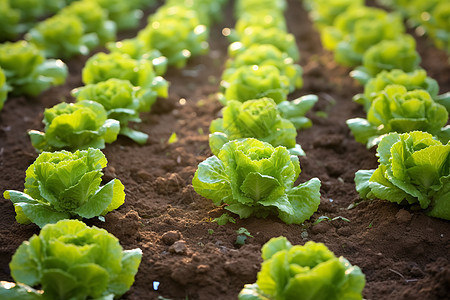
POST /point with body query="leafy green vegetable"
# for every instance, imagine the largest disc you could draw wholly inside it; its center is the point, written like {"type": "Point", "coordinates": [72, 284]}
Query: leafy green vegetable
{"type": "Point", "coordinates": [399, 110]}
{"type": "Point", "coordinates": [258, 119]}
{"type": "Point", "coordinates": [75, 126]}
{"type": "Point", "coordinates": [121, 12]}
{"type": "Point", "coordinates": [207, 10]}
{"type": "Point", "coordinates": [256, 179]}
{"type": "Point", "coordinates": [3, 88]}
{"type": "Point", "coordinates": [121, 101]}
{"type": "Point", "coordinates": [256, 6]}
{"type": "Point", "coordinates": [62, 36]}
{"type": "Point", "coordinates": [356, 30]}
{"type": "Point", "coordinates": [95, 22]}
{"type": "Point", "coordinates": [414, 168]}
{"type": "Point", "coordinates": [260, 18]}
{"type": "Point", "coordinates": [296, 110]}
{"type": "Point", "coordinates": [414, 80]}
{"type": "Point", "coordinates": [388, 55]}
{"type": "Point", "coordinates": [303, 272]}
{"type": "Point", "coordinates": [177, 33]}
{"type": "Point", "coordinates": [26, 69]}
{"type": "Point", "coordinates": [62, 185]}
{"type": "Point", "coordinates": [140, 73]}
{"type": "Point", "coordinates": [285, 42]}
{"type": "Point", "coordinates": [255, 82]}
{"type": "Point", "coordinates": [325, 12]}
{"type": "Point", "coordinates": [224, 219]}
{"type": "Point", "coordinates": [9, 21]}
{"type": "Point", "coordinates": [265, 55]}
{"type": "Point", "coordinates": [136, 49]}
{"type": "Point", "coordinates": [69, 260]}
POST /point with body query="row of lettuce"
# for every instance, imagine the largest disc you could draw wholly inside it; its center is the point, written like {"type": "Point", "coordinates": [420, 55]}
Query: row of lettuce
{"type": "Point", "coordinates": [24, 65]}
{"type": "Point", "coordinates": [430, 17]}
{"type": "Point", "coordinates": [255, 162]}
{"type": "Point", "coordinates": [406, 118]}
{"type": "Point", "coordinates": [69, 260]}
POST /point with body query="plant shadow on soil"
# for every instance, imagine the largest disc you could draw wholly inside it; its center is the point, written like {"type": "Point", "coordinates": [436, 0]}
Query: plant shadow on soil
{"type": "Point", "coordinates": [403, 253]}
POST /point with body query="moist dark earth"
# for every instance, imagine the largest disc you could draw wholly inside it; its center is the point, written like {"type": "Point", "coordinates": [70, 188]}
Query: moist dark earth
{"type": "Point", "coordinates": [403, 253]}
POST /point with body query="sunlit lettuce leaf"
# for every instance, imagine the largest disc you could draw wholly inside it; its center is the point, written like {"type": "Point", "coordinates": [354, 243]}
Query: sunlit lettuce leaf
{"type": "Point", "coordinates": [208, 11]}
{"type": "Point", "coordinates": [69, 260]}
{"type": "Point", "coordinates": [261, 18]}
{"type": "Point", "coordinates": [264, 55]}
{"type": "Point", "coordinates": [26, 69]}
{"type": "Point", "coordinates": [258, 119]}
{"type": "Point", "coordinates": [253, 178]}
{"type": "Point", "coordinates": [395, 109]}
{"type": "Point", "coordinates": [72, 126]}
{"type": "Point", "coordinates": [62, 185]}
{"type": "Point", "coordinates": [414, 168]}
{"type": "Point", "coordinates": [123, 13]}
{"type": "Point", "coordinates": [9, 21]}
{"type": "Point", "coordinates": [256, 6]}
{"type": "Point", "coordinates": [255, 82]}
{"type": "Point", "coordinates": [121, 101]}
{"type": "Point", "coordinates": [325, 12]}
{"type": "Point", "coordinates": [305, 272]}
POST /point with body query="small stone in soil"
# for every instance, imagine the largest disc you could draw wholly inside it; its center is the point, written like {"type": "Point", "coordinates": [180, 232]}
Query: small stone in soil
{"type": "Point", "coordinates": [170, 237]}
{"type": "Point", "coordinates": [179, 247]}
{"type": "Point", "coordinates": [403, 216]}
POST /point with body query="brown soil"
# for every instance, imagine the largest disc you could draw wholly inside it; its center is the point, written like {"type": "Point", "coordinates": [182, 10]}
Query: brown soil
{"type": "Point", "coordinates": [404, 253]}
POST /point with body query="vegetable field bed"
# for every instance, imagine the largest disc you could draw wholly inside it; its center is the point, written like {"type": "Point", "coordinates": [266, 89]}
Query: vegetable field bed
{"type": "Point", "coordinates": [403, 253]}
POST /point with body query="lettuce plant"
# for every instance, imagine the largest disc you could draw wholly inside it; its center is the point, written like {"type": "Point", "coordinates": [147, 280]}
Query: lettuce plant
{"type": "Point", "coordinates": [254, 82]}
{"type": "Point", "coordinates": [95, 23]}
{"type": "Point", "coordinates": [207, 10]}
{"type": "Point", "coordinates": [325, 12]}
{"type": "Point", "coordinates": [414, 168]}
{"type": "Point", "coordinates": [140, 73]}
{"type": "Point", "coordinates": [414, 80]}
{"type": "Point", "coordinates": [136, 49]}
{"type": "Point", "coordinates": [310, 271]}
{"type": "Point", "coordinates": [69, 260]}
{"type": "Point", "coordinates": [62, 185]}
{"type": "Point", "coordinates": [72, 126]}
{"type": "Point", "coordinates": [258, 119]}
{"type": "Point", "coordinates": [357, 30]}
{"type": "Point", "coordinates": [388, 55]}
{"type": "Point", "coordinates": [3, 88]}
{"type": "Point", "coordinates": [123, 13]}
{"type": "Point", "coordinates": [121, 101]}
{"type": "Point", "coordinates": [285, 42]}
{"type": "Point", "coordinates": [9, 21]}
{"type": "Point", "coordinates": [177, 33]}
{"type": "Point", "coordinates": [253, 178]}
{"type": "Point", "coordinates": [264, 55]}
{"type": "Point", "coordinates": [255, 6]}
{"type": "Point", "coordinates": [62, 36]}
{"type": "Point", "coordinates": [260, 18]}
{"type": "Point", "coordinates": [396, 109]}
{"type": "Point", "coordinates": [26, 69]}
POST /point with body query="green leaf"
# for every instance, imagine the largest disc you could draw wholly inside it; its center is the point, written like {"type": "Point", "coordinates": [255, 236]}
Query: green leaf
{"type": "Point", "coordinates": [259, 186]}
{"type": "Point", "coordinates": [362, 180]}
{"type": "Point", "coordinates": [224, 219]}
{"type": "Point", "coordinates": [137, 136]}
{"type": "Point", "coordinates": [275, 245]}
{"type": "Point", "coordinates": [305, 199]}
{"type": "Point", "coordinates": [252, 292]}
{"type": "Point", "coordinates": [130, 264]}
{"type": "Point", "coordinates": [18, 291]}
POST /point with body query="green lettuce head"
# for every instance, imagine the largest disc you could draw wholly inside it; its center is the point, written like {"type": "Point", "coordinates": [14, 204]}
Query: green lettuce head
{"type": "Point", "coordinates": [72, 126]}
{"type": "Point", "coordinates": [397, 110]}
{"type": "Point", "coordinates": [69, 260]}
{"type": "Point", "coordinates": [255, 82]}
{"type": "Point", "coordinates": [285, 42]}
{"type": "Point", "coordinates": [123, 13]}
{"type": "Point", "coordinates": [260, 18]}
{"type": "Point", "coordinates": [266, 55]}
{"type": "Point", "coordinates": [258, 119]}
{"type": "Point", "coordinates": [62, 36]}
{"type": "Point", "coordinates": [253, 178]}
{"type": "Point", "coordinates": [9, 21]}
{"type": "Point", "coordinates": [62, 185]}
{"type": "Point", "coordinates": [414, 169]}
{"type": "Point", "coordinates": [140, 73]}
{"type": "Point", "coordinates": [414, 80]}
{"type": "Point", "coordinates": [121, 101]}
{"type": "Point", "coordinates": [310, 271]}
{"type": "Point", "coordinates": [325, 12]}
{"type": "Point", "coordinates": [177, 33]}
{"type": "Point", "coordinates": [26, 69]}
{"type": "Point", "coordinates": [258, 6]}
{"type": "Point", "coordinates": [388, 55]}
